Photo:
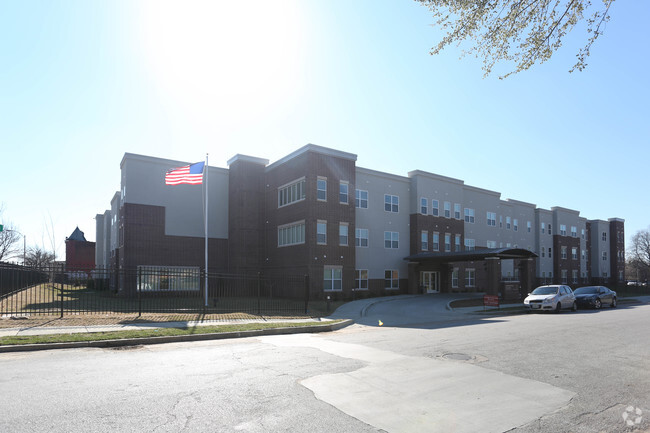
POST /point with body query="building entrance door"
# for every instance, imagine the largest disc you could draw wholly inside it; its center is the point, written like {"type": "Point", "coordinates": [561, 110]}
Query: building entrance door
{"type": "Point", "coordinates": [430, 282]}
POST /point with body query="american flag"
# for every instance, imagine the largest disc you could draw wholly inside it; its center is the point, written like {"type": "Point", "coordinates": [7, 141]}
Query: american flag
{"type": "Point", "coordinates": [189, 174]}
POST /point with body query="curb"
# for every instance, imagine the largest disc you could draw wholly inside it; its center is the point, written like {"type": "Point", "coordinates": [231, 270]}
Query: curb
{"type": "Point", "coordinates": [362, 313]}
{"type": "Point", "coordinates": [176, 338]}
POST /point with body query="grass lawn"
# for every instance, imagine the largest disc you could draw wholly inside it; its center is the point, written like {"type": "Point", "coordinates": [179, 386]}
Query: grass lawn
{"type": "Point", "coordinates": [146, 333]}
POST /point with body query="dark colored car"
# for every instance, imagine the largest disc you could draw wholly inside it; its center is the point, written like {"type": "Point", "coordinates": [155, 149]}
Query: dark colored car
{"type": "Point", "coordinates": [595, 297]}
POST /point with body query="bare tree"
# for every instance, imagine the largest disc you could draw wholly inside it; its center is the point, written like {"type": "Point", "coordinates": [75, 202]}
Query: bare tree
{"type": "Point", "coordinates": [38, 258]}
{"type": "Point", "coordinates": [9, 239]}
{"type": "Point", "coordinates": [639, 252]}
{"type": "Point", "coordinates": [524, 32]}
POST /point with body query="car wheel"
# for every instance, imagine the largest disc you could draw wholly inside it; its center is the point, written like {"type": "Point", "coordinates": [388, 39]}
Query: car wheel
{"type": "Point", "coordinates": [613, 302]}
{"type": "Point", "coordinates": [597, 304]}
{"type": "Point", "coordinates": [574, 307]}
{"type": "Point", "coordinates": [558, 307]}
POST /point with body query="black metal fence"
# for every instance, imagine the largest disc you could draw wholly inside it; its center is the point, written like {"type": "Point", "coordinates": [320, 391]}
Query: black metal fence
{"type": "Point", "coordinates": [59, 291]}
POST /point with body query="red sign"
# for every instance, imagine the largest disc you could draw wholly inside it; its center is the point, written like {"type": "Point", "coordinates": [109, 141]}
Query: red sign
{"type": "Point", "coordinates": [490, 300]}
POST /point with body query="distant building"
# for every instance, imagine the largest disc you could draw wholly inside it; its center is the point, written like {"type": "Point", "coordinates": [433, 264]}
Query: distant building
{"type": "Point", "coordinates": [79, 253]}
{"type": "Point", "coordinates": [352, 230]}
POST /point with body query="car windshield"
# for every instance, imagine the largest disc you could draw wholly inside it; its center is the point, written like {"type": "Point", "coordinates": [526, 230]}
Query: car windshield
{"type": "Point", "coordinates": [586, 291]}
{"type": "Point", "coordinates": [545, 290]}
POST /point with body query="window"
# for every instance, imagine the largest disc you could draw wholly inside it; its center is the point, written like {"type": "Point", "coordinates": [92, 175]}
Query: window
{"type": "Point", "coordinates": [582, 233]}
{"type": "Point", "coordinates": [508, 222]}
{"type": "Point", "coordinates": [562, 229]}
{"type": "Point", "coordinates": [564, 276]}
{"type": "Point", "coordinates": [500, 221]}
{"type": "Point", "coordinates": [391, 279]}
{"type": "Point", "coordinates": [604, 236]}
{"type": "Point", "coordinates": [582, 254]}
{"type": "Point", "coordinates": [434, 207]}
{"type": "Point", "coordinates": [469, 215]}
{"type": "Point", "coordinates": [574, 253]}
{"type": "Point", "coordinates": [604, 256]}
{"type": "Point", "coordinates": [574, 231]}
{"type": "Point", "coordinates": [361, 198]}
{"type": "Point", "coordinates": [424, 206]}
{"type": "Point", "coordinates": [361, 238]}
{"type": "Point", "coordinates": [528, 226]}
{"type": "Point", "coordinates": [447, 209]}
{"type": "Point", "coordinates": [454, 278]}
{"type": "Point", "coordinates": [321, 189]}
{"type": "Point", "coordinates": [391, 240]}
{"type": "Point", "coordinates": [436, 241]}
{"type": "Point", "coordinates": [291, 193]}
{"type": "Point", "coordinates": [492, 219]}
{"type": "Point", "coordinates": [543, 251]}
{"type": "Point", "coordinates": [470, 244]}
{"type": "Point", "coordinates": [515, 224]}
{"type": "Point", "coordinates": [447, 242]}
{"type": "Point", "coordinates": [343, 193]}
{"type": "Point", "coordinates": [491, 244]}
{"type": "Point", "coordinates": [391, 203]}
{"type": "Point", "coordinates": [549, 252]}
{"type": "Point", "coordinates": [291, 234]}
{"type": "Point", "coordinates": [563, 252]}
{"type": "Point", "coordinates": [332, 278]}
{"type": "Point", "coordinates": [343, 234]}
{"type": "Point", "coordinates": [543, 228]}
{"type": "Point", "coordinates": [321, 232]}
{"type": "Point", "coordinates": [470, 277]}
{"type": "Point", "coordinates": [361, 279]}
{"type": "Point", "coordinates": [457, 211]}
{"type": "Point", "coordinates": [425, 240]}
{"type": "Point", "coordinates": [549, 229]}
{"type": "Point", "coordinates": [575, 276]}
{"type": "Point", "coordinates": [457, 243]}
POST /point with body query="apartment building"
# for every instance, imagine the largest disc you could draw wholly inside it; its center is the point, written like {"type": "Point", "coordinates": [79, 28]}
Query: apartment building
{"type": "Point", "coordinates": [352, 230]}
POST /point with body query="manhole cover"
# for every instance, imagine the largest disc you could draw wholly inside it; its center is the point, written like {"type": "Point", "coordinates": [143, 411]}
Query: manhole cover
{"type": "Point", "coordinates": [457, 356]}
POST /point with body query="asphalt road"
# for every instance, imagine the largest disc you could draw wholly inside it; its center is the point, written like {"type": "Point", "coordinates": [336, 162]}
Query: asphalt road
{"type": "Point", "coordinates": [426, 369]}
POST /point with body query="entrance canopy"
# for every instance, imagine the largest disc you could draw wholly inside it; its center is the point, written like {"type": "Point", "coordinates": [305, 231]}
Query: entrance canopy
{"type": "Point", "coordinates": [466, 256]}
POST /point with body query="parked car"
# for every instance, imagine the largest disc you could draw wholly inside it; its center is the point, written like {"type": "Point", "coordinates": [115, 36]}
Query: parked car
{"type": "Point", "coordinates": [551, 298]}
{"type": "Point", "coordinates": [595, 297]}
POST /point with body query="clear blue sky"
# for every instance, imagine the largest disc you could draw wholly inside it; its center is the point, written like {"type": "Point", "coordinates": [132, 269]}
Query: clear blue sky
{"type": "Point", "coordinates": [83, 82]}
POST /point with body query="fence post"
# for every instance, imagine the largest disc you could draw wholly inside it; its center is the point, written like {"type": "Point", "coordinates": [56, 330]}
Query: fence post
{"type": "Point", "coordinates": [306, 293]}
{"type": "Point", "coordinates": [139, 293]}
{"type": "Point", "coordinates": [259, 293]}
{"type": "Point", "coordinates": [61, 276]}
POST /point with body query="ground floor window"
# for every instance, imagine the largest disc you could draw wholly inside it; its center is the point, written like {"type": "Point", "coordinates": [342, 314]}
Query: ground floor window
{"type": "Point", "coordinates": [361, 279]}
{"type": "Point", "coordinates": [333, 278]}
{"type": "Point", "coordinates": [575, 276]}
{"type": "Point", "coordinates": [564, 276]}
{"type": "Point", "coordinates": [470, 277]}
{"type": "Point", "coordinates": [169, 278]}
{"type": "Point", "coordinates": [454, 278]}
{"type": "Point", "coordinates": [391, 279]}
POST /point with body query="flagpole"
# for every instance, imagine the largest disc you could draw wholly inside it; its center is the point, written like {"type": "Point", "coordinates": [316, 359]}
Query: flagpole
{"type": "Point", "coordinates": [206, 229]}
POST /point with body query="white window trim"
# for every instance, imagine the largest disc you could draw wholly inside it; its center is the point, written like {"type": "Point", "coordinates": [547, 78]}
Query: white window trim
{"type": "Point", "coordinates": [318, 190]}
{"type": "Point", "coordinates": [346, 183]}
{"type": "Point", "coordinates": [289, 184]}
{"type": "Point", "coordinates": [293, 224]}
{"type": "Point", "coordinates": [339, 268]}
{"type": "Point", "coordinates": [319, 222]}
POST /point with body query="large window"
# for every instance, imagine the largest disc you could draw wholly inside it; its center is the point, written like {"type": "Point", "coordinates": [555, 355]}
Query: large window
{"type": "Point", "coordinates": [291, 234]}
{"type": "Point", "coordinates": [321, 232]}
{"type": "Point", "coordinates": [470, 277]}
{"type": "Point", "coordinates": [492, 219]}
{"type": "Point", "coordinates": [436, 241]}
{"type": "Point", "coordinates": [424, 240]}
{"type": "Point", "coordinates": [391, 203]}
{"type": "Point", "coordinates": [491, 244]}
{"type": "Point", "coordinates": [562, 229]}
{"type": "Point", "coordinates": [361, 199]}
{"type": "Point", "coordinates": [343, 234]}
{"type": "Point", "coordinates": [333, 278]}
{"type": "Point", "coordinates": [470, 244]}
{"type": "Point", "coordinates": [169, 278]}
{"type": "Point", "coordinates": [361, 238]}
{"type": "Point", "coordinates": [321, 189]}
{"type": "Point", "coordinates": [574, 231]}
{"type": "Point", "coordinates": [291, 193]}
{"type": "Point", "coordinates": [361, 279]}
{"type": "Point", "coordinates": [424, 206]}
{"type": "Point", "coordinates": [434, 207]}
{"type": "Point", "coordinates": [447, 206]}
{"type": "Point", "coordinates": [469, 215]}
{"type": "Point", "coordinates": [391, 279]}
{"type": "Point", "coordinates": [343, 192]}
{"type": "Point", "coordinates": [457, 211]}
{"type": "Point", "coordinates": [391, 240]}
